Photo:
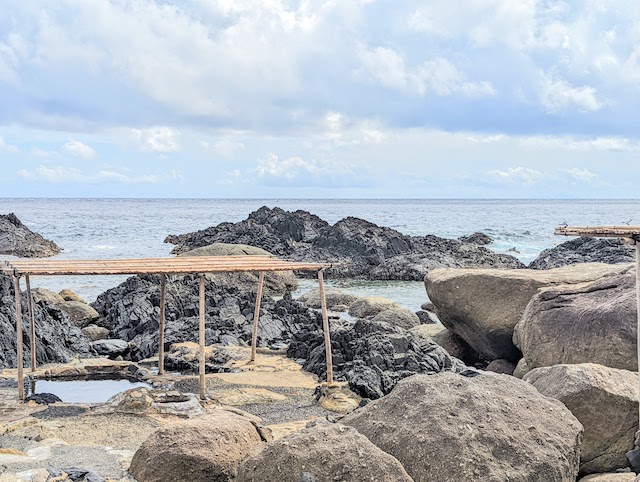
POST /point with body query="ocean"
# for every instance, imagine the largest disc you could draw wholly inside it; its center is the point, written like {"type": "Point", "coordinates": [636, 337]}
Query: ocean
{"type": "Point", "coordinates": [130, 228]}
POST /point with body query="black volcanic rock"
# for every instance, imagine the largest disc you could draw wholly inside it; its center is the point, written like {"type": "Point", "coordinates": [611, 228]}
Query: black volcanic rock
{"type": "Point", "coordinates": [480, 239]}
{"type": "Point", "coordinates": [131, 311]}
{"type": "Point", "coordinates": [18, 240]}
{"type": "Point", "coordinates": [57, 338]}
{"type": "Point", "coordinates": [359, 248]}
{"type": "Point", "coordinates": [584, 250]}
{"type": "Point", "coordinates": [371, 355]}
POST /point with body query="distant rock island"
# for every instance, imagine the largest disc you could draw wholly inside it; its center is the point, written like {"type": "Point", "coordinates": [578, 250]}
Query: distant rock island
{"type": "Point", "coordinates": [360, 249]}
{"type": "Point", "coordinates": [18, 240]}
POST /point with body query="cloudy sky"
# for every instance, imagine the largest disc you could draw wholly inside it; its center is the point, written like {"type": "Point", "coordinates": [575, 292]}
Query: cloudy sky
{"type": "Point", "coordinates": [327, 98]}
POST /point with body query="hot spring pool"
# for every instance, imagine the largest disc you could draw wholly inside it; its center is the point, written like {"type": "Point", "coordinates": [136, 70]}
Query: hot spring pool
{"type": "Point", "coordinates": [84, 391]}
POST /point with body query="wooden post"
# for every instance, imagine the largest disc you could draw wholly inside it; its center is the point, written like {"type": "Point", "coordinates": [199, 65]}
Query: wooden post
{"type": "Point", "coordinates": [163, 288]}
{"type": "Point", "coordinates": [201, 367]}
{"type": "Point", "coordinates": [256, 316]}
{"type": "Point", "coordinates": [16, 284]}
{"type": "Point", "coordinates": [638, 309]}
{"type": "Point", "coordinates": [32, 324]}
{"type": "Point", "coordinates": [325, 328]}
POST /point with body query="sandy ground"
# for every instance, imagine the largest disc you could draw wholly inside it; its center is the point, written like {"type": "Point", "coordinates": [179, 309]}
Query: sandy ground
{"type": "Point", "coordinates": [92, 437]}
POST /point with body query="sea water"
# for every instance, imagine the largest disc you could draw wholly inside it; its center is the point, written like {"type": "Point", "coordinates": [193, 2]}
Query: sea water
{"type": "Point", "coordinates": [130, 228]}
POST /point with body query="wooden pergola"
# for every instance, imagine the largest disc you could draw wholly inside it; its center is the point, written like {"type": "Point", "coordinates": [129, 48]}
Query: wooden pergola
{"type": "Point", "coordinates": [628, 235]}
{"type": "Point", "coordinates": [200, 265]}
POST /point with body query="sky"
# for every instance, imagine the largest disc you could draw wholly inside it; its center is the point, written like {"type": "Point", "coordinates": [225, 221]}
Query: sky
{"type": "Point", "coordinates": [320, 99]}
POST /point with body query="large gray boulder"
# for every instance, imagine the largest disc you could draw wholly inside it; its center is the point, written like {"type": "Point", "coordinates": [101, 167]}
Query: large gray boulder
{"type": "Point", "coordinates": [18, 240]}
{"type": "Point", "coordinates": [333, 296]}
{"type": "Point", "coordinates": [605, 400]}
{"type": "Point", "coordinates": [81, 314]}
{"type": "Point", "coordinates": [482, 306]}
{"type": "Point", "coordinates": [401, 317]}
{"type": "Point", "coordinates": [201, 449]}
{"type": "Point", "coordinates": [275, 282]}
{"type": "Point", "coordinates": [490, 427]}
{"type": "Point", "coordinates": [591, 323]}
{"type": "Point", "coordinates": [322, 452]}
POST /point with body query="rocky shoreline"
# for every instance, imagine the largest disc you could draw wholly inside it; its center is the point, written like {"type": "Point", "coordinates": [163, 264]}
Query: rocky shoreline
{"type": "Point", "coordinates": [526, 374]}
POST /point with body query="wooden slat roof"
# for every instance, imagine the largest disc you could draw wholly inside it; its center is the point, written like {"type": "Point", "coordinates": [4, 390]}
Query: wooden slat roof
{"type": "Point", "coordinates": [181, 265]}
{"type": "Point", "coordinates": [630, 232]}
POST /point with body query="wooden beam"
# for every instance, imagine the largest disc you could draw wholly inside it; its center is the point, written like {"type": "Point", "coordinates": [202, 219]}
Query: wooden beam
{"type": "Point", "coordinates": [201, 360]}
{"type": "Point", "coordinates": [632, 232]}
{"type": "Point", "coordinates": [32, 324]}
{"type": "Point", "coordinates": [256, 317]}
{"type": "Point", "coordinates": [16, 284]}
{"type": "Point", "coordinates": [325, 328]}
{"type": "Point", "coordinates": [163, 287]}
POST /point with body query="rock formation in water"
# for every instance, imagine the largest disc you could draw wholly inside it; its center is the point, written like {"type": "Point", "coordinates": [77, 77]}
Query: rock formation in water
{"type": "Point", "coordinates": [584, 250]}
{"type": "Point", "coordinates": [360, 248]}
{"type": "Point", "coordinates": [58, 339]}
{"type": "Point", "coordinates": [18, 240]}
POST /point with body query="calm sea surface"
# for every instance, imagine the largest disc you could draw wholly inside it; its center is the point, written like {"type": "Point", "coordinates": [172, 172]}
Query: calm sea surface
{"type": "Point", "coordinates": [129, 228]}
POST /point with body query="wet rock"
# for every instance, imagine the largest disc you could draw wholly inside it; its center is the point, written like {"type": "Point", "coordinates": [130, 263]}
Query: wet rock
{"type": "Point", "coordinates": [482, 306]}
{"type": "Point", "coordinates": [334, 296]}
{"type": "Point", "coordinates": [57, 339]}
{"type": "Point", "coordinates": [591, 323]}
{"type": "Point", "coordinates": [110, 348]}
{"type": "Point", "coordinates": [322, 452]}
{"type": "Point", "coordinates": [275, 282]}
{"type": "Point", "coordinates": [131, 311]}
{"type": "Point", "coordinates": [498, 427]}
{"type": "Point", "coordinates": [604, 400]}
{"type": "Point", "coordinates": [478, 238]}
{"type": "Point", "coordinates": [18, 240]}
{"type": "Point", "coordinates": [371, 356]}
{"type": "Point", "coordinates": [79, 313]}
{"type": "Point", "coordinates": [426, 318]}
{"type": "Point", "coordinates": [201, 449]}
{"type": "Point", "coordinates": [361, 248]}
{"type": "Point", "coordinates": [584, 250]}
{"type": "Point", "coordinates": [95, 332]}
{"type": "Point", "coordinates": [43, 398]}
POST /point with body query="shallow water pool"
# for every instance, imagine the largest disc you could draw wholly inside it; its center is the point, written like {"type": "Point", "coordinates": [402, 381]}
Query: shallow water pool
{"type": "Point", "coordinates": [85, 391]}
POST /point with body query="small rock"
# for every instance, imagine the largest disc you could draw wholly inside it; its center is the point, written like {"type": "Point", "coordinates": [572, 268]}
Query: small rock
{"type": "Point", "coordinates": [398, 317]}
{"type": "Point", "coordinates": [504, 367]}
{"type": "Point", "coordinates": [371, 306]}
{"type": "Point", "coordinates": [69, 295]}
{"type": "Point", "coordinates": [43, 398]}
{"type": "Point", "coordinates": [110, 347]}
{"type": "Point", "coordinates": [79, 313]}
{"type": "Point", "coordinates": [95, 332]}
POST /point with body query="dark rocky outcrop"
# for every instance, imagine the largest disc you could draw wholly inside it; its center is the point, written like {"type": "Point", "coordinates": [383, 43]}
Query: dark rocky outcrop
{"type": "Point", "coordinates": [589, 323]}
{"type": "Point", "coordinates": [584, 250]}
{"type": "Point", "coordinates": [480, 239]}
{"type": "Point", "coordinates": [322, 452]}
{"type": "Point", "coordinates": [131, 312]}
{"type": "Point", "coordinates": [485, 428]}
{"type": "Point", "coordinates": [372, 356]}
{"type": "Point", "coordinates": [18, 240]}
{"type": "Point", "coordinates": [57, 338]}
{"type": "Point", "coordinates": [362, 249]}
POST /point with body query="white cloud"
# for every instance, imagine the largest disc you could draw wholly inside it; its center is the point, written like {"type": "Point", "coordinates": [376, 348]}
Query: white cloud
{"type": "Point", "coordinates": [584, 175]}
{"type": "Point", "coordinates": [79, 149]}
{"type": "Point", "coordinates": [228, 147]}
{"type": "Point", "coordinates": [439, 76]}
{"type": "Point", "coordinates": [558, 95]}
{"type": "Point", "coordinates": [522, 175]}
{"type": "Point", "coordinates": [157, 139]}
{"type": "Point", "coordinates": [288, 169]}
{"type": "Point", "coordinates": [576, 144]}
{"type": "Point", "coordinates": [4, 147]}
{"type": "Point", "coordinates": [63, 174]}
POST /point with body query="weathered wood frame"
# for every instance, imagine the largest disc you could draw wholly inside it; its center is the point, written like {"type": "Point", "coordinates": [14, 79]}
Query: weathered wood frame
{"type": "Point", "coordinates": [164, 267]}
{"type": "Point", "coordinates": [628, 235]}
